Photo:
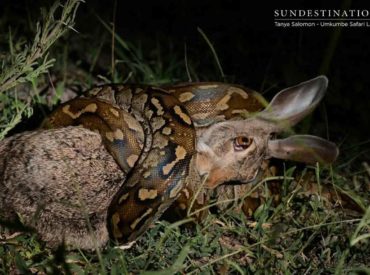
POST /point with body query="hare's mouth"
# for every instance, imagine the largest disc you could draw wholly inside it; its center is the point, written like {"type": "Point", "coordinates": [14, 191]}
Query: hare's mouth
{"type": "Point", "coordinates": [257, 176]}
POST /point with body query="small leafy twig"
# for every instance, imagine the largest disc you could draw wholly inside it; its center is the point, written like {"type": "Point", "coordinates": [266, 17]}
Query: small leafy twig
{"type": "Point", "coordinates": [25, 66]}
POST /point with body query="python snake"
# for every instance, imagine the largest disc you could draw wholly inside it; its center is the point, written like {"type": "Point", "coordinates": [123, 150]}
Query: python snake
{"type": "Point", "coordinates": [151, 133]}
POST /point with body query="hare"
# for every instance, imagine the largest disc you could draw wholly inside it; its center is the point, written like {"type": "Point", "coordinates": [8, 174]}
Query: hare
{"type": "Point", "coordinates": [80, 187]}
{"type": "Point", "coordinates": [59, 181]}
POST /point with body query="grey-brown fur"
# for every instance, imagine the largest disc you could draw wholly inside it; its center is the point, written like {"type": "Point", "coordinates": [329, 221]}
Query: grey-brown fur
{"type": "Point", "coordinates": [57, 180]}
{"type": "Point", "coordinates": [61, 181]}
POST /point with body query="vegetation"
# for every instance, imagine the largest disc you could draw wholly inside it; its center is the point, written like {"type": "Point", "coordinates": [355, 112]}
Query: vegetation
{"type": "Point", "coordinates": [304, 233]}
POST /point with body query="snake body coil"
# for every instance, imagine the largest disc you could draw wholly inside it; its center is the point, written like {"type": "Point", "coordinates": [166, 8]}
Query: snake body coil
{"type": "Point", "coordinates": [165, 139]}
{"type": "Point", "coordinates": [151, 134]}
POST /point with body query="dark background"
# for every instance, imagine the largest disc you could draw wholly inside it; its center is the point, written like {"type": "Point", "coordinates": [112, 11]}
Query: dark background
{"type": "Point", "coordinates": [252, 51]}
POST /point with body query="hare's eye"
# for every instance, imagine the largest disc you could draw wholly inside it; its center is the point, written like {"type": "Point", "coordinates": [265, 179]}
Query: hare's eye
{"type": "Point", "coordinates": [242, 143]}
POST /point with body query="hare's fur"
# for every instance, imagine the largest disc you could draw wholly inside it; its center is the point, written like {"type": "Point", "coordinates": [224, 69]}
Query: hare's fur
{"type": "Point", "coordinates": [59, 182]}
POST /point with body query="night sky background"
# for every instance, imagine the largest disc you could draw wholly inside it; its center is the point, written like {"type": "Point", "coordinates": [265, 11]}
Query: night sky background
{"type": "Point", "coordinates": [252, 51]}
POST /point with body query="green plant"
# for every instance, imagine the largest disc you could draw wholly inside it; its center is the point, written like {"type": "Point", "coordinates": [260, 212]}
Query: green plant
{"type": "Point", "coordinates": [26, 62]}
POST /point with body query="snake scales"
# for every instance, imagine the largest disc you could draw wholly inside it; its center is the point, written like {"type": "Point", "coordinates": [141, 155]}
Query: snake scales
{"type": "Point", "coordinates": [167, 141]}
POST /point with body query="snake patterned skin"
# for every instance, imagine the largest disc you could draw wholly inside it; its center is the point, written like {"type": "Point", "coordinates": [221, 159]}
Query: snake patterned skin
{"type": "Point", "coordinates": [209, 103]}
{"type": "Point", "coordinates": [166, 139]}
{"type": "Point", "coordinates": [151, 134]}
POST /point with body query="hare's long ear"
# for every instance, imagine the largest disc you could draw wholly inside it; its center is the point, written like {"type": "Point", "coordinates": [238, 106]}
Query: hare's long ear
{"type": "Point", "coordinates": [303, 148]}
{"type": "Point", "coordinates": [292, 104]}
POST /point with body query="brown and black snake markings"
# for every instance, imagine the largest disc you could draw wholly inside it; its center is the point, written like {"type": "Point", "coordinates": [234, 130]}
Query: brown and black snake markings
{"type": "Point", "coordinates": [151, 134]}
{"type": "Point", "coordinates": [154, 132]}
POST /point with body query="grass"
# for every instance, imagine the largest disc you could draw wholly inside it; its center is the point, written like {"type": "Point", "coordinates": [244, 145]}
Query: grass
{"type": "Point", "coordinates": [26, 62]}
{"type": "Point", "coordinates": [304, 233]}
